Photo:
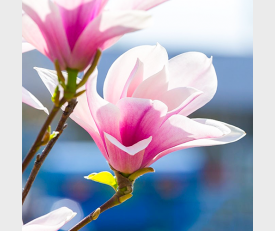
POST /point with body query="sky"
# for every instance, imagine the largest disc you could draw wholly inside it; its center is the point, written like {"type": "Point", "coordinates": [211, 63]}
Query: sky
{"type": "Point", "coordinates": [220, 26]}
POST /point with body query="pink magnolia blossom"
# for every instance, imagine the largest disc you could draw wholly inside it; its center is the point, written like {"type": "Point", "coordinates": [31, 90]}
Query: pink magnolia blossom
{"type": "Point", "coordinates": [147, 98]}
{"type": "Point", "coordinates": [52, 221]}
{"type": "Point", "coordinates": [31, 100]}
{"type": "Point", "coordinates": [71, 31]}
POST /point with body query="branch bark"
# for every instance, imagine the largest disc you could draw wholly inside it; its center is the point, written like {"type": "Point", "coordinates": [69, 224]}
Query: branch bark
{"type": "Point", "coordinates": [124, 192]}
{"type": "Point", "coordinates": [41, 158]}
{"type": "Point", "coordinates": [37, 143]}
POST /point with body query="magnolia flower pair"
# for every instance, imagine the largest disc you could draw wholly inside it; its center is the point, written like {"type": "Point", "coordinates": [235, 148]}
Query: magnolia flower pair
{"type": "Point", "coordinates": [147, 98]}
{"type": "Point", "coordinates": [52, 221]}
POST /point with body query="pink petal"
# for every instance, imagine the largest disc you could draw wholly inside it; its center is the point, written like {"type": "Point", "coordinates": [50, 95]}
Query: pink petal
{"type": "Point", "coordinates": [134, 4]}
{"type": "Point", "coordinates": [81, 114]}
{"type": "Point", "coordinates": [106, 26]}
{"type": "Point", "coordinates": [193, 69]}
{"type": "Point", "coordinates": [135, 78]}
{"type": "Point", "coordinates": [139, 119]}
{"type": "Point", "coordinates": [32, 34]}
{"type": "Point", "coordinates": [230, 134]}
{"type": "Point", "coordinates": [153, 59]}
{"type": "Point", "coordinates": [178, 98]}
{"type": "Point", "coordinates": [77, 14]}
{"type": "Point", "coordinates": [105, 114]}
{"type": "Point", "coordinates": [30, 99]}
{"type": "Point", "coordinates": [125, 159]}
{"type": "Point", "coordinates": [178, 130]}
{"type": "Point", "coordinates": [47, 17]}
{"type": "Point", "coordinates": [154, 86]}
{"type": "Point", "coordinates": [52, 221]}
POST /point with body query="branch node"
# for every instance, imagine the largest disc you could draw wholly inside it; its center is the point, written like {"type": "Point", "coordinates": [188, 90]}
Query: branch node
{"type": "Point", "coordinates": [96, 214]}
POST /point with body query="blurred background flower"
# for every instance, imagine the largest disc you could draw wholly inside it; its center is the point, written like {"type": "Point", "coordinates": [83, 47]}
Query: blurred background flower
{"type": "Point", "coordinates": [207, 188]}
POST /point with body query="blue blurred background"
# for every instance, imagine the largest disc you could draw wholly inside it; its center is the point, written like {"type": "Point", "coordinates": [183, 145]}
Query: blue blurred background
{"type": "Point", "coordinates": [199, 189]}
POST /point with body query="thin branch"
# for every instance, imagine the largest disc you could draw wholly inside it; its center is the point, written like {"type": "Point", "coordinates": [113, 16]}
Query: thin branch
{"type": "Point", "coordinates": [114, 201]}
{"type": "Point", "coordinates": [124, 192]}
{"type": "Point", "coordinates": [40, 158]}
{"type": "Point", "coordinates": [37, 143]}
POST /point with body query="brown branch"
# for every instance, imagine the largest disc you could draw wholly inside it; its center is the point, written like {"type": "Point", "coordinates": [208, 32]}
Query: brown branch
{"type": "Point", "coordinates": [124, 192]}
{"type": "Point", "coordinates": [40, 158]}
{"type": "Point", "coordinates": [37, 143]}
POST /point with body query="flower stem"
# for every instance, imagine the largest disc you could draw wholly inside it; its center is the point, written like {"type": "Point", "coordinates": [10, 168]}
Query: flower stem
{"type": "Point", "coordinates": [40, 158]}
{"type": "Point", "coordinates": [38, 142]}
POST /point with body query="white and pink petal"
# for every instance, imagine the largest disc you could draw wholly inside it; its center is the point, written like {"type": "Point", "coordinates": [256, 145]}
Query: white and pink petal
{"type": "Point", "coordinates": [153, 59]}
{"type": "Point", "coordinates": [45, 14]}
{"type": "Point", "coordinates": [229, 132]}
{"type": "Point", "coordinates": [139, 119]}
{"type": "Point", "coordinates": [107, 25]}
{"type": "Point", "coordinates": [179, 130]}
{"type": "Point", "coordinates": [126, 159]}
{"type": "Point", "coordinates": [193, 69]}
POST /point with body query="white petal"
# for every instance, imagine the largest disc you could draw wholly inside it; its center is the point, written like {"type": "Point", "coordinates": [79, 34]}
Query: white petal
{"type": "Point", "coordinates": [32, 101]}
{"type": "Point", "coordinates": [131, 150]}
{"type": "Point", "coordinates": [52, 221]}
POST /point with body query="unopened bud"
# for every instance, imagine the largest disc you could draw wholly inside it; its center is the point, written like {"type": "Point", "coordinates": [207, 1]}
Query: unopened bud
{"type": "Point", "coordinates": [96, 214]}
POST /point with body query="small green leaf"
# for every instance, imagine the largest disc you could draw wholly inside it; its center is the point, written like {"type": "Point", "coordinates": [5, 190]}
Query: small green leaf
{"type": "Point", "coordinates": [54, 134]}
{"type": "Point", "coordinates": [104, 178]}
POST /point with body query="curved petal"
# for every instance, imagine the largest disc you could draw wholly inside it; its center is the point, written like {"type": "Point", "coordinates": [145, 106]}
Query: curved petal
{"type": "Point", "coordinates": [153, 59]}
{"type": "Point", "coordinates": [106, 26]}
{"type": "Point", "coordinates": [134, 4]}
{"type": "Point", "coordinates": [77, 14]}
{"type": "Point", "coordinates": [46, 16]}
{"type": "Point", "coordinates": [32, 101]}
{"type": "Point", "coordinates": [125, 159]}
{"type": "Point", "coordinates": [81, 114]}
{"type": "Point", "coordinates": [178, 130]}
{"type": "Point", "coordinates": [230, 134]}
{"type": "Point", "coordinates": [105, 114]}
{"type": "Point", "coordinates": [154, 86]}
{"type": "Point", "coordinates": [178, 98]}
{"type": "Point", "coordinates": [140, 118]}
{"type": "Point", "coordinates": [193, 69]}
{"type": "Point", "coordinates": [135, 78]}
{"type": "Point", "coordinates": [32, 34]}
{"type": "Point", "coordinates": [52, 221]}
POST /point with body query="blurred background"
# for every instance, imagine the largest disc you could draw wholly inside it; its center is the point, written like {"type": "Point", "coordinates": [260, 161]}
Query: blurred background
{"type": "Point", "coordinates": [199, 189]}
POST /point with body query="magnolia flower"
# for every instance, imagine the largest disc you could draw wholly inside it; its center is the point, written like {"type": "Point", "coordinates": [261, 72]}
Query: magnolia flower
{"type": "Point", "coordinates": [71, 31]}
{"type": "Point", "coordinates": [52, 221]}
{"type": "Point", "coordinates": [143, 115]}
{"type": "Point", "coordinates": [31, 100]}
